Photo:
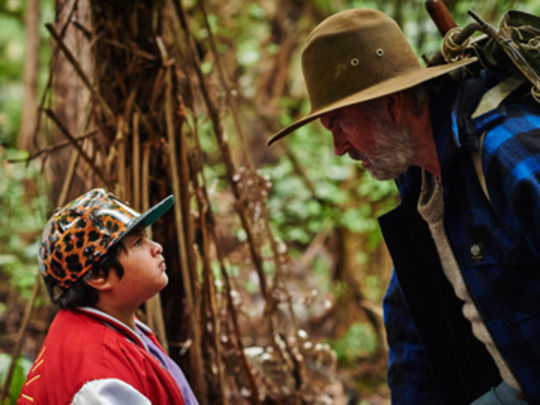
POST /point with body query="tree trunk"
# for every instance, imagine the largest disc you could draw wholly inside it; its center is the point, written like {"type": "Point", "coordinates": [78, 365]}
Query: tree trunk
{"type": "Point", "coordinates": [31, 66]}
{"type": "Point", "coordinates": [71, 99]}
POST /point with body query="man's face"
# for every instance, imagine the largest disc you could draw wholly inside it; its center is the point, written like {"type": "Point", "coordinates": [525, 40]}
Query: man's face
{"type": "Point", "coordinates": [367, 133]}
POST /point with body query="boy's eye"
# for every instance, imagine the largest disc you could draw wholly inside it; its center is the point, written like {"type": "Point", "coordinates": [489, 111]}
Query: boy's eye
{"type": "Point", "coordinates": [137, 242]}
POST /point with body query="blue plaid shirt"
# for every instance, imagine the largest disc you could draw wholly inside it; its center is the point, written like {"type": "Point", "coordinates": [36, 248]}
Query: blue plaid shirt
{"type": "Point", "coordinates": [433, 356]}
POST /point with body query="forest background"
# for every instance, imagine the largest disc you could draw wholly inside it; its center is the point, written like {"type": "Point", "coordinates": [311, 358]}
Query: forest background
{"type": "Point", "coordinates": [279, 247]}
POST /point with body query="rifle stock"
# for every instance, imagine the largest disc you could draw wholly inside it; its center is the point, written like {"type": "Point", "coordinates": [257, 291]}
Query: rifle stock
{"type": "Point", "coordinates": [440, 16]}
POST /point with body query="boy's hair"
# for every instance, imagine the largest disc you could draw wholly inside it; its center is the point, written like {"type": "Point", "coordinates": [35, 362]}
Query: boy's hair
{"type": "Point", "coordinates": [83, 295]}
{"type": "Point", "coordinates": [85, 236]}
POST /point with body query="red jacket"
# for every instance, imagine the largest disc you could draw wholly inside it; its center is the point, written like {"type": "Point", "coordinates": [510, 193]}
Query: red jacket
{"type": "Point", "coordinates": [81, 348]}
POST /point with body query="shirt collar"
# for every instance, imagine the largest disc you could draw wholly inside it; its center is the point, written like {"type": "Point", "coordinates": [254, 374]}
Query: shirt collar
{"type": "Point", "coordinates": [451, 123]}
{"type": "Point", "coordinates": [118, 325]}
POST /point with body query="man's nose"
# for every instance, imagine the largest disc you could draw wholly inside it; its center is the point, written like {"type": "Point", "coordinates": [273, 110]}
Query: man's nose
{"type": "Point", "coordinates": [340, 143]}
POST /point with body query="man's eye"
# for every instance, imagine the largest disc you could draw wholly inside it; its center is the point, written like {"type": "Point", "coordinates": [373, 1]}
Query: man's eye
{"type": "Point", "coordinates": [326, 121]}
{"type": "Point", "coordinates": [329, 124]}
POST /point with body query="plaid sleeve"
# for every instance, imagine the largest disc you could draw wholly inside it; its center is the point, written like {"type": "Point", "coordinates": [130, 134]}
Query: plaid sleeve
{"type": "Point", "coordinates": [409, 375]}
{"type": "Point", "coordinates": [511, 163]}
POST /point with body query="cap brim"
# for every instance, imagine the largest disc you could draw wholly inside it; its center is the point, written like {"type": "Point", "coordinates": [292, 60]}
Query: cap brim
{"type": "Point", "coordinates": [393, 85]}
{"type": "Point", "coordinates": [153, 214]}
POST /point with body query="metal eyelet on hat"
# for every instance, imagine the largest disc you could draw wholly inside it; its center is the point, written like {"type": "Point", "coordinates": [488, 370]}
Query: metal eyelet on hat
{"type": "Point", "coordinates": [355, 62]}
{"type": "Point", "coordinates": [379, 52]}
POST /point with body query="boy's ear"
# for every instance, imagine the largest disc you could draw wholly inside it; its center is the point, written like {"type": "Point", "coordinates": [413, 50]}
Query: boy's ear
{"type": "Point", "coordinates": [101, 282]}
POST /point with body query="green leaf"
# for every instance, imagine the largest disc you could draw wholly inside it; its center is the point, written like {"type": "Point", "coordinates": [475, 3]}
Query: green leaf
{"type": "Point", "coordinates": [359, 341]}
{"type": "Point", "coordinates": [22, 367]}
{"type": "Point", "coordinates": [206, 67]}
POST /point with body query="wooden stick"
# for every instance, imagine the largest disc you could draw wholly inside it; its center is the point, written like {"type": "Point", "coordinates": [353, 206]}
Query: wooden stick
{"type": "Point", "coordinates": [203, 199]}
{"type": "Point", "coordinates": [185, 190]}
{"type": "Point", "coordinates": [176, 187]}
{"type": "Point", "coordinates": [208, 287]}
{"type": "Point", "coordinates": [20, 336]}
{"type": "Point", "coordinates": [195, 351]}
{"type": "Point", "coordinates": [80, 72]}
{"type": "Point", "coordinates": [240, 206]}
{"type": "Point", "coordinates": [231, 101]}
{"type": "Point", "coordinates": [66, 185]}
{"type": "Point", "coordinates": [121, 186]}
{"type": "Point", "coordinates": [233, 105]}
{"type": "Point", "coordinates": [136, 160]}
{"type": "Point", "coordinates": [226, 153]}
{"type": "Point", "coordinates": [145, 180]}
{"type": "Point", "coordinates": [150, 304]}
{"type": "Point", "coordinates": [60, 145]}
{"type": "Point", "coordinates": [50, 113]}
{"type": "Point", "coordinates": [52, 69]}
{"type": "Point", "coordinates": [211, 295]}
{"type": "Point", "coordinates": [155, 302]}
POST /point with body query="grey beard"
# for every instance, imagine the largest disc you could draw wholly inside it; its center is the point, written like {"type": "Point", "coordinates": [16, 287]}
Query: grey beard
{"type": "Point", "coordinates": [393, 153]}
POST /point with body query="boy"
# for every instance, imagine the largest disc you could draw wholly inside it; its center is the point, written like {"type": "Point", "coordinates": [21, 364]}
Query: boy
{"type": "Point", "coordinates": [99, 268]}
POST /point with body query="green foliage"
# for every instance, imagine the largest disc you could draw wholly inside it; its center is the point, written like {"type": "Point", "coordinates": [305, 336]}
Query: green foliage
{"type": "Point", "coordinates": [256, 28]}
{"type": "Point", "coordinates": [23, 204]}
{"type": "Point", "coordinates": [11, 65]}
{"type": "Point", "coordinates": [12, 54]}
{"type": "Point", "coordinates": [321, 271]}
{"type": "Point", "coordinates": [11, 47]}
{"type": "Point", "coordinates": [359, 341]}
{"type": "Point", "coordinates": [373, 289]}
{"type": "Point", "coordinates": [22, 367]}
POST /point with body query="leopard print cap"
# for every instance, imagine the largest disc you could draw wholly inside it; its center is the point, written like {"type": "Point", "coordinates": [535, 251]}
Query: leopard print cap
{"type": "Point", "coordinates": [78, 235]}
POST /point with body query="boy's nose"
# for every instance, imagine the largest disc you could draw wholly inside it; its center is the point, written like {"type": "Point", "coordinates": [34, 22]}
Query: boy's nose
{"type": "Point", "coordinates": [156, 247]}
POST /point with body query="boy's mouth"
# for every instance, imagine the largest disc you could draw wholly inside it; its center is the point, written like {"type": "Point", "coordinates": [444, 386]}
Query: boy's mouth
{"type": "Point", "coordinates": [163, 265]}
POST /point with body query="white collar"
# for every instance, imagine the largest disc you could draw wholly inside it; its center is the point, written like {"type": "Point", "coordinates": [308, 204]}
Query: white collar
{"type": "Point", "coordinates": [111, 321]}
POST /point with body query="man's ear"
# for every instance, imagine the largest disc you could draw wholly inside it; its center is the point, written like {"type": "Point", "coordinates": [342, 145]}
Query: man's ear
{"type": "Point", "coordinates": [394, 105]}
{"type": "Point", "coordinates": [101, 282]}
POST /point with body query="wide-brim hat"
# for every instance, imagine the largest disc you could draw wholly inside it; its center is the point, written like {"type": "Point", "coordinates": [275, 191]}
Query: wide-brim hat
{"type": "Point", "coordinates": [81, 232]}
{"type": "Point", "coordinates": [355, 56]}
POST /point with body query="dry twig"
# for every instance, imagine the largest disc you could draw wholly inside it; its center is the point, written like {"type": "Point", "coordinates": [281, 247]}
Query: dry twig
{"type": "Point", "coordinates": [51, 114]}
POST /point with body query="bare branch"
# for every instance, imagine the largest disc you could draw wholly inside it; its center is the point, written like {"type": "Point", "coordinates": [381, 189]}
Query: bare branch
{"type": "Point", "coordinates": [50, 113]}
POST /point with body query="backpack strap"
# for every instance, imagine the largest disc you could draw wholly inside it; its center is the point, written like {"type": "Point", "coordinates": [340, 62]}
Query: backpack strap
{"type": "Point", "coordinates": [490, 100]}
{"type": "Point", "coordinates": [494, 96]}
{"type": "Point", "coordinates": [477, 163]}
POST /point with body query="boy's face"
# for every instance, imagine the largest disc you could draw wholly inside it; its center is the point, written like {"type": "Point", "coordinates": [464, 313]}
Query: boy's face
{"type": "Point", "coordinates": [144, 270]}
